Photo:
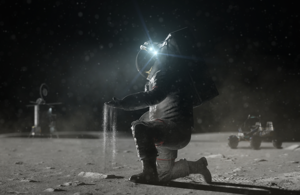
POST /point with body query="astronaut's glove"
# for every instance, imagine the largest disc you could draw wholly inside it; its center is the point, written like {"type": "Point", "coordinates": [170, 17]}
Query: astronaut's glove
{"type": "Point", "coordinates": [115, 103]}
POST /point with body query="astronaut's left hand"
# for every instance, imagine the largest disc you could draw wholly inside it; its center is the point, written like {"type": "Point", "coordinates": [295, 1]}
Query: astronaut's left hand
{"type": "Point", "coordinates": [115, 103]}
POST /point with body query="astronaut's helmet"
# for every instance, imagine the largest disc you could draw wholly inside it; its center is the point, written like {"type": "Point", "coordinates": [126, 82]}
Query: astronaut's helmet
{"type": "Point", "coordinates": [165, 54]}
{"type": "Point", "coordinates": [178, 54]}
{"type": "Point", "coordinates": [145, 59]}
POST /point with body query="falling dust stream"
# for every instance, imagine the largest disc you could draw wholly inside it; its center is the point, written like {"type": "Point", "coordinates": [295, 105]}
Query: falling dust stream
{"type": "Point", "coordinates": [109, 137]}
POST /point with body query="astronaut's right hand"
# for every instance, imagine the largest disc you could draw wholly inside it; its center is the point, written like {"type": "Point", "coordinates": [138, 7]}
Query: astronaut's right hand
{"type": "Point", "coordinates": [115, 103]}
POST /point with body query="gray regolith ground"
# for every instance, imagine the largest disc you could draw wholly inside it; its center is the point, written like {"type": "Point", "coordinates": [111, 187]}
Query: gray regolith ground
{"type": "Point", "coordinates": [32, 165]}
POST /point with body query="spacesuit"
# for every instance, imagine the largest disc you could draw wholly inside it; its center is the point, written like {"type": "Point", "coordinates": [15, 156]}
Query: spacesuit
{"type": "Point", "coordinates": [166, 127]}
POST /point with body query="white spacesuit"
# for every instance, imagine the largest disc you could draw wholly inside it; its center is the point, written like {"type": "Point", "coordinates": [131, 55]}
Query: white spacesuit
{"type": "Point", "coordinates": [166, 127]}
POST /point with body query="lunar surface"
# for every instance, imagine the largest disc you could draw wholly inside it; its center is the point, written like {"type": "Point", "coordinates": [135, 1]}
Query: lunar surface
{"type": "Point", "coordinates": [79, 166]}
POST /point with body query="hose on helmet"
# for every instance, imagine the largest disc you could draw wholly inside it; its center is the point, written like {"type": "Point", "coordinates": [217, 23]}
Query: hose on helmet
{"type": "Point", "coordinates": [137, 66]}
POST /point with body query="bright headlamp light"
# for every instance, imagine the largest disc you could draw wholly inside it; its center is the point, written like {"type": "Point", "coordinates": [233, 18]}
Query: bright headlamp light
{"type": "Point", "coordinates": [151, 48]}
{"type": "Point", "coordinates": [153, 51]}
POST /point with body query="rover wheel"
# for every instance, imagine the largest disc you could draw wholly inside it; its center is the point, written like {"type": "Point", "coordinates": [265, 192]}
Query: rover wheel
{"type": "Point", "coordinates": [233, 141]}
{"type": "Point", "coordinates": [255, 142]}
{"type": "Point", "coordinates": [277, 143]}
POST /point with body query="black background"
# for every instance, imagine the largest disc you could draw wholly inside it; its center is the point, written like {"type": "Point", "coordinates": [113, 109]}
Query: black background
{"type": "Point", "coordinates": [85, 52]}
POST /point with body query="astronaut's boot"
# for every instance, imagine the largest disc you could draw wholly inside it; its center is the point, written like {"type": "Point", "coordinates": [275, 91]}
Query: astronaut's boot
{"type": "Point", "coordinates": [149, 174]}
{"type": "Point", "coordinates": [200, 167]}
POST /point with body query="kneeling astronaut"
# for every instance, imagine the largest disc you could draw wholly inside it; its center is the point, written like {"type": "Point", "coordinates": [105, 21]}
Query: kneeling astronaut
{"type": "Point", "coordinates": [170, 95]}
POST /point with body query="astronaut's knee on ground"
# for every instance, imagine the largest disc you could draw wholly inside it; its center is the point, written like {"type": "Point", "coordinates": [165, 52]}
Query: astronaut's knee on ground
{"type": "Point", "coordinates": [164, 176]}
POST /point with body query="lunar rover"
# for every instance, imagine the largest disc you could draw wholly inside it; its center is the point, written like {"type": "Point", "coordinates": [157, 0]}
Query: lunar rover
{"type": "Point", "coordinates": [252, 130]}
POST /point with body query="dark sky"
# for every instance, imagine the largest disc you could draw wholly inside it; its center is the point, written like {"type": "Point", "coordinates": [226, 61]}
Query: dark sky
{"type": "Point", "coordinates": [85, 52]}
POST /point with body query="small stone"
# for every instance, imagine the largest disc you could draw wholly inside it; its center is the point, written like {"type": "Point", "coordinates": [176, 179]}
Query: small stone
{"type": "Point", "coordinates": [16, 192]}
{"type": "Point", "coordinates": [19, 163]}
{"type": "Point", "coordinates": [12, 179]}
{"type": "Point", "coordinates": [82, 184]}
{"type": "Point", "coordinates": [75, 183]}
{"type": "Point", "coordinates": [96, 175]}
{"type": "Point", "coordinates": [237, 170]}
{"type": "Point", "coordinates": [259, 160]}
{"type": "Point", "coordinates": [126, 151]}
{"type": "Point", "coordinates": [294, 162]}
{"type": "Point", "coordinates": [28, 180]}
{"type": "Point", "coordinates": [53, 190]}
{"type": "Point", "coordinates": [119, 167]}
{"type": "Point", "coordinates": [93, 175]}
{"type": "Point", "coordinates": [67, 184]}
{"type": "Point", "coordinates": [49, 190]}
{"type": "Point", "coordinates": [215, 156]}
{"type": "Point", "coordinates": [89, 163]}
{"type": "Point", "coordinates": [50, 168]}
